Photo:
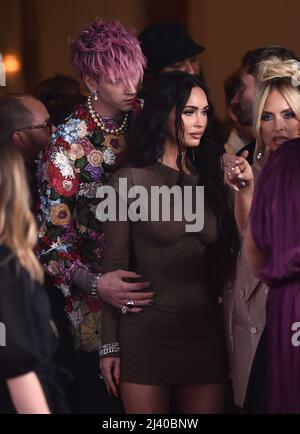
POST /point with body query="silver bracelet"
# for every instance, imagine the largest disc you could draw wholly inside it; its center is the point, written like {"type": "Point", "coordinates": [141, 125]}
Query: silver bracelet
{"type": "Point", "coordinates": [109, 348]}
{"type": "Point", "coordinates": [93, 288]}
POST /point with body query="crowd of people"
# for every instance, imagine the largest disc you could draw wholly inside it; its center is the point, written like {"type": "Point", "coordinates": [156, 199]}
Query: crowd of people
{"type": "Point", "coordinates": [109, 311]}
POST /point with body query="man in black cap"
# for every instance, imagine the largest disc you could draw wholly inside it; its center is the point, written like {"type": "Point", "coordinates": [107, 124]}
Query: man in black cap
{"type": "Point", "coordinates": [168, 47]}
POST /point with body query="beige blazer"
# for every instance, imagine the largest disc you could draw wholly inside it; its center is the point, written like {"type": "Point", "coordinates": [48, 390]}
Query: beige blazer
{"type": "Point", "coordinates": [244, 307]}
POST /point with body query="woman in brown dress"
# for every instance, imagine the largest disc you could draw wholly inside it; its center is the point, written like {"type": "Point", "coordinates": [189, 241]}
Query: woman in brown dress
{"type": "Point", "coordinates": [173, 350]}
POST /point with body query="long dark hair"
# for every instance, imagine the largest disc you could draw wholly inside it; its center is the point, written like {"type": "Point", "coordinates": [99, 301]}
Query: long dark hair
{"type": "Point", "coordinates": [146, 147]}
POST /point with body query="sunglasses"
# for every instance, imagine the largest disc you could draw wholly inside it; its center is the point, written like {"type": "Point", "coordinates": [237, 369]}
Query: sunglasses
{"type": "Point", "coordinates": [47, 126]}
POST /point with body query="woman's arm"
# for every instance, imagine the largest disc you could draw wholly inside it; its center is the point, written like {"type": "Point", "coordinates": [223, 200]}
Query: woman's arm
{"type": "Point", "coordinates": [242, 205]}
{"type": "Point", "coordinates": [27, 394]}
{"type": "Point", "coordinates": [240, 177]}
{"type": "Point", "coordinates": [117, 238]}
{"type": "Point", "coordinates": [255, 257]}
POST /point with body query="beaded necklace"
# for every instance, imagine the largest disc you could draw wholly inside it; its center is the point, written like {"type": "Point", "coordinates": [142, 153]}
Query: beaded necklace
{"type": "Point", "coordinates": [100, 123]}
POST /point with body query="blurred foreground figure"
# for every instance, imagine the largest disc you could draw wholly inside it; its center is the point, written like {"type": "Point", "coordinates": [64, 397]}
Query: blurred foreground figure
{"type": "Point", "coordinates": [26, 374]}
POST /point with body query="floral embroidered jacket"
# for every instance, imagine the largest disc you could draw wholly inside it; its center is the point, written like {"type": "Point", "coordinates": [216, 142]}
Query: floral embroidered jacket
{"type": "Point", "coordinates": [78, 160]}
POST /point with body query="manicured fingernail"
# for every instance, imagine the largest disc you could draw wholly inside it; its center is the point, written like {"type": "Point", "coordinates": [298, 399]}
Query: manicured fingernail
{"type": "Point", "coordinates": [240, 176]}
{"type": "Point", "coordinates": [236, 188]}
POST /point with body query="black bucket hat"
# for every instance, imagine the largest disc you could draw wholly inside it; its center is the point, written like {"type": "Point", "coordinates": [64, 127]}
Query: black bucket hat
{"type": "Point", "coordinates": [166, 43]}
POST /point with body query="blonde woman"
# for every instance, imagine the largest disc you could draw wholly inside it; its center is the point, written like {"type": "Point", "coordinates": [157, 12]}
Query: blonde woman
{"type": "Point", "coordinates": [279, 89]}
{"type": "Point", "coordinates": [276, 120]}
{"type": "Point", "coordinates": [276, 116]}
{"type": "Point", "coordinates": [24, 312]}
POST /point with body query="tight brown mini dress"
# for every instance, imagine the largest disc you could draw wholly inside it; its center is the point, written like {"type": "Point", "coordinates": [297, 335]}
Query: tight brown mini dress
{"type": "Point", "coordinates": [178, 339]}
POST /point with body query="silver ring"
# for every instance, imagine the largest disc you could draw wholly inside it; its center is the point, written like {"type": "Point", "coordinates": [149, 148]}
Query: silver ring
{"type": "Point", "coordinates": [124, 309]}
{"type": "Point", "coordinates": [130, 303]}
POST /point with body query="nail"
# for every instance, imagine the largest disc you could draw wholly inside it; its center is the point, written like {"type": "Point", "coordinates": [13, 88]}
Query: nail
{"type": "Point", "coordinates": [240, 176]}
{"type": "Point", "coordinates": [236, 188]}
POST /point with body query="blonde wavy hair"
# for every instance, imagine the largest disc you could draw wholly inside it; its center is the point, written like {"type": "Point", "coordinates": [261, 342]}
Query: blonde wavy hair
{"type": "Point", "coordinates": [275, 74]}
{"type": "Point", "coordinates": [17, 224]}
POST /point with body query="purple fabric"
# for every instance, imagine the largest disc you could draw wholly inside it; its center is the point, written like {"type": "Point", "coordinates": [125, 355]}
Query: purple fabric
{"type": "Point", "coordinates": [275, 226]}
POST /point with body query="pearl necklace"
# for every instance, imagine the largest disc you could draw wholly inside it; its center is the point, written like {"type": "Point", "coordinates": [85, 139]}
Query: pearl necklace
{"type": "Point", "coordinates": [99, 121]}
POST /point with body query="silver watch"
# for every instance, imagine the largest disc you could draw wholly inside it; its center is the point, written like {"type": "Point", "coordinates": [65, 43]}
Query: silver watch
{"type": "Point", "coordinates": [93, 288]}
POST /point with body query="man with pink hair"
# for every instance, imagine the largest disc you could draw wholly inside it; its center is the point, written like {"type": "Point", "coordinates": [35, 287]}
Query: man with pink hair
{"type": "Point", "coordinates": [82, 154]}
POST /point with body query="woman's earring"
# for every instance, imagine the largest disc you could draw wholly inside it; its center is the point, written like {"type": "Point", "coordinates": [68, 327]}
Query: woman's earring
{"type": "Point", "coordinates": [260, 153]}
{"type": "Point", "coordinates": [95, 96]}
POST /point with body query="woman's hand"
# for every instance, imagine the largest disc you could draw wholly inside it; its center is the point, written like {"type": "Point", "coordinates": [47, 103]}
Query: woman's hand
{"type": "Point", "coordinates": [110, 371]}
{"type": "Point", "coordinates": [240, 174]}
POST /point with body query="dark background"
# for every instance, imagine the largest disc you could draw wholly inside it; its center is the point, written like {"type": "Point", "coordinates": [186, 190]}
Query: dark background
{"type": "Point", "coordinates": [36, 32]}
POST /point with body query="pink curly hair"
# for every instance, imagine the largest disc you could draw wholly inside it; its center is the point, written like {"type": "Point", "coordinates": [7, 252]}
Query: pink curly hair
{"type": "Point", "coordinates": [107, 50]}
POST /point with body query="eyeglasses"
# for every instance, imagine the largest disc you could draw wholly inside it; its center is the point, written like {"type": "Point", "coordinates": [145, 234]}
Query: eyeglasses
{"type": "Point", "coordinates": [47, 126]}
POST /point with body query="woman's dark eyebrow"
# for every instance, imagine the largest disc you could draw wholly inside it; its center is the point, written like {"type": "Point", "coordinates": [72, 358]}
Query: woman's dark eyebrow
{"type": "Point", "coordinates": [196, 108]}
